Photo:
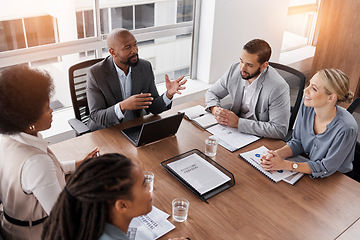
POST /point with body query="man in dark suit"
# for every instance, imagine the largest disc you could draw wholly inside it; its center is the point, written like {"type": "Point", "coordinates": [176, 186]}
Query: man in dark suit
{"type": "Point", "coordinates": [122, 87]}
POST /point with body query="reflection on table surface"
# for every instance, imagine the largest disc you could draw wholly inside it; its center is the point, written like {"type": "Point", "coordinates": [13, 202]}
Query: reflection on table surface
{"type": "Point", "coordinates": [255, 208]}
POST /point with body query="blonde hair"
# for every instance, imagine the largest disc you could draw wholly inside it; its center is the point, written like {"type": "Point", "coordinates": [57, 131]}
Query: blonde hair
{"type": "Point", "coordinates": [335, 81]}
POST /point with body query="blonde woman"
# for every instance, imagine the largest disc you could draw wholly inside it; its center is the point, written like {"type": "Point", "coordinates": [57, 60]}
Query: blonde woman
{"type": "Point", "coordinates": [327, 133]}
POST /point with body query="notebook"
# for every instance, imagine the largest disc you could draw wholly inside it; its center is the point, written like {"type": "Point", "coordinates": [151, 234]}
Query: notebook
{"type": "Point", "coordinates": [200, 116]}
{"type": "Point", "coordinates": [154, 130]}
{"type": "Point", "coordinates": [253, 158]}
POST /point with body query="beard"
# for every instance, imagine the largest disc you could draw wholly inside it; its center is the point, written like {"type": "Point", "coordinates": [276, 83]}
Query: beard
{"type": "Point", "coordinates": [130, 63]}
{"type": "Point", "coordinates": [257, 73]}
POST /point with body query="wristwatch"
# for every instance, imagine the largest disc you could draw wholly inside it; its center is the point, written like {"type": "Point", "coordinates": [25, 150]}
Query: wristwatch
{"type": "Point", "coordinates": [294, 166]}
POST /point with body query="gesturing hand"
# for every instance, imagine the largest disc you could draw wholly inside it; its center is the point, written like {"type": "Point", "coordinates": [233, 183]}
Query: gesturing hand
{"type": "Point", "coordinates": [137, 101]}
{"type": "Point", "coordinates": [92, 154]}
{"type": "Point", "coordinates": [175, 86]}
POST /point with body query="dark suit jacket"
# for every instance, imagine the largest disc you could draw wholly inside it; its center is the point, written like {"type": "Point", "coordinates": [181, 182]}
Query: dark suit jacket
{"type": "Point", "coordinates": [104, 91]}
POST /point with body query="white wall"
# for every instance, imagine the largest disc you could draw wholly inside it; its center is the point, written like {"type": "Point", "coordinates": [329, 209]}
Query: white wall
{"type": "Point", "coordinates": [226, 25]}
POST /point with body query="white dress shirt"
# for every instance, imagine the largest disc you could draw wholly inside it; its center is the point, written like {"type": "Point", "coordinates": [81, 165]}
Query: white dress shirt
{"type": "Point", "coordinates": [125, 84]}
{"type": "Point", "coordinates": [38, 174]}
{"type": "Point", "coordinates": [248, 102]}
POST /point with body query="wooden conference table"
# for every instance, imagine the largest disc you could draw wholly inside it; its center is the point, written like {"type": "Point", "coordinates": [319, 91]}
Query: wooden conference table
{"type": "Point", "coordinates": [255, 208]}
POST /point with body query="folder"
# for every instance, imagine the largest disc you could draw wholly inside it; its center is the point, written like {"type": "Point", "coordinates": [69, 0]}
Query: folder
{"type": "Point", "coordinates": [199, 173]}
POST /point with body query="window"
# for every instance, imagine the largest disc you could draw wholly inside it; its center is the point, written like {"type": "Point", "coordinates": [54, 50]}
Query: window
{"type": "Point", "coordinates": [104, 20]}
{"type": "Point", "coordinates": [11, 35]}
{"type": "Point", "coordinates": [184, 10]}
{"type": "Point", "coordinates": [144, 16]}
{"type": "Point", "coordinates": [27, 32]}
{"type": "Point", "coordinates": [85, 24]}
{"type": "Point", "coordinates": [300, 24]}
{"type": "Point", "coordinates": [54, 36]}
{"type": "Point", "coordinates": [122, 17]}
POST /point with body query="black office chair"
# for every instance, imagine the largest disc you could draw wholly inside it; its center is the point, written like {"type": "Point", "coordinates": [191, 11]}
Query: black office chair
{"type": "Point", "coordinates": [353, 106]}
{"type": "Point", "coordinates": [77, 81]}
{"type": "Point", "coordinates": [296, 81]}
{"type": "Point", "coordinates": [1, 208]}
{"type": "Point", "coordinates": [354, 109]}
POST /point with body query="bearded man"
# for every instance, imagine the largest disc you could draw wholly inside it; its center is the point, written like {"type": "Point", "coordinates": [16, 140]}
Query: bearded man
{"type": "Point", "coordinates": [122, 86]}
{"type": "Point", "coordinates": [260, 96]}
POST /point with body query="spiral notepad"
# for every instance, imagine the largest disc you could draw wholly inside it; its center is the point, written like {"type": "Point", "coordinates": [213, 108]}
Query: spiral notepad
{"type": "Point", "coordinates": [253, 158]}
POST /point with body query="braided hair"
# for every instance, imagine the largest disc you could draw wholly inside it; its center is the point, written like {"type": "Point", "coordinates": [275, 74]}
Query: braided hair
{"type": "Point", "coordinates": [82, 208]}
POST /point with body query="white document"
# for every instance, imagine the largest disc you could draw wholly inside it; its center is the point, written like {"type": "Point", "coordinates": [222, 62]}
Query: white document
{"type": "Point", "coordinates": [296, 176]}
{"type": "Point", "coordinates": [253, 157]}
{"type": "Point", "coordinates": [199, 173]}
{"type": "Point", "coordinates": [292, 179]}
{"type": "Point", "coordinates": [230, 138]}
{"type": "Point", "coordinates": [150, 226]}
{"type": "Point", "coordinates": [205, 121]}
{"type": "Point", "coordinates": [199, 116]}
{"type": "Point", "coordinates": [194, 112]}
{"type": "Point", "coordinates": [227, 146]}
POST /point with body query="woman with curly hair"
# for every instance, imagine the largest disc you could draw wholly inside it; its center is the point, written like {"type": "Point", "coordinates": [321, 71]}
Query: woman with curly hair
{"type": "Point", "coordinates": [31, 178]}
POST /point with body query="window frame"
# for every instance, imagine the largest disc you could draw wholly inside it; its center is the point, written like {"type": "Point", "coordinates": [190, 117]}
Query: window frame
{"type": "Point", "coordinates": [31, 54]}
{"type": "Point", "coordinates": [299, 9]}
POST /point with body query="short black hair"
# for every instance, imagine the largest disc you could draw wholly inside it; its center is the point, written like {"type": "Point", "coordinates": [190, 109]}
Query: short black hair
{"type": "Point", "coordinates": [23, 94]}
{"type": "Point", "coordinates": [259, 47]}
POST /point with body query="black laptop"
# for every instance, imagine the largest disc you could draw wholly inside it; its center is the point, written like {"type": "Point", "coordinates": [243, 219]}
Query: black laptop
{"type": "Point", "coordinates": [153, 131]}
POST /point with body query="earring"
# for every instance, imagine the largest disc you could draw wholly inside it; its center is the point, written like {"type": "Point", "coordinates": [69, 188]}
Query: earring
{"type": "Point", "coordinates": [32, 128]}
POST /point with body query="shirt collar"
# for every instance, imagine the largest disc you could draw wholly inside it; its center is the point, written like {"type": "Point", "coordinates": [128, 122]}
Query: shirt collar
{"type": "Point", "coordinates": [34, 141]}
{"type": "Point", "coordinates": [114, 232]}
{"type": "Point", "coordinates": [254, 82]}
{"type": "Point", "coordinates": [120, 72]}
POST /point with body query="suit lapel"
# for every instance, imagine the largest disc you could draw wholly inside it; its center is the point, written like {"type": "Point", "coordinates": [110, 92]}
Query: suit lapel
{"type": "Point", "coordinates": [113, 79]}
{"type": "Point", "coordinates": [136, 80]}
{"type": "Point", "coordinates": [136, 85]}
{"type": "Point", "coordinates": [236, 105]}
{"type": "Point", "coordinates": [259, 86]}
{"type": "Point", "coordinates": [258, 89]}
{"type": "Point", "coordinates": [240, 92]}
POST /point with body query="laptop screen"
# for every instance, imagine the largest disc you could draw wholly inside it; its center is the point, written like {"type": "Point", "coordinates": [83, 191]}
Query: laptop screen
{"type": "Point", "coordinates": [154, 130]}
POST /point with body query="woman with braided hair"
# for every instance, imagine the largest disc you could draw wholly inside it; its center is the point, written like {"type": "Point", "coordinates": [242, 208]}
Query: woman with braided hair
{"type": "Point", "coordinates": [99, 200]}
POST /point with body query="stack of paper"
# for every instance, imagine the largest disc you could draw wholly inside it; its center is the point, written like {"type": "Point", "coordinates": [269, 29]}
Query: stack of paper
{"type": "Point", "coordinates": [150, 226]}
{"type": "Point", "coordinates": [199, 173]}
{"type": "Point", "coordinates": [230, 138]}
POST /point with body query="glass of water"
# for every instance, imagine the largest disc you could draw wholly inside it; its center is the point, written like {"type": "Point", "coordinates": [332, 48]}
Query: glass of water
{"type": "Point", "coordinates": [149, 179]}
{"type": "Point", "coordinates": [211, 146]}
{"type": "Point", "coordinates": [180, 208]}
